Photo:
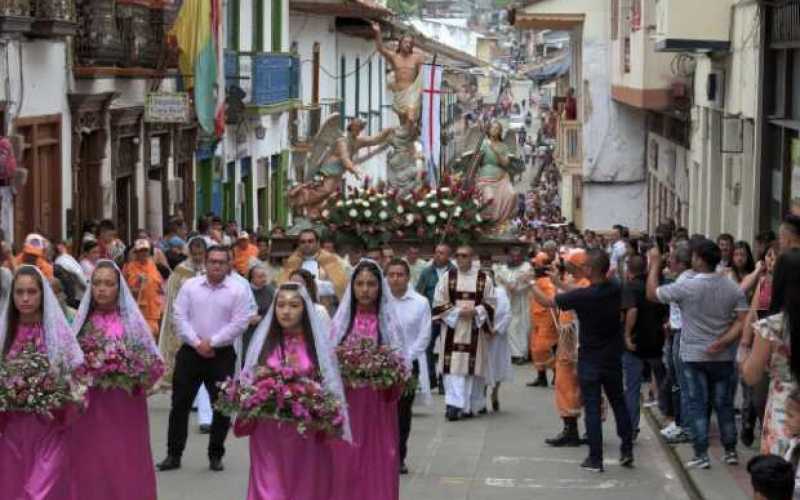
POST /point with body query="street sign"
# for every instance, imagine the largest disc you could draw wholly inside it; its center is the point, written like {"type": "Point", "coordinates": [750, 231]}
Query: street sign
{"type": "Point", "coordinates": [167, 107]}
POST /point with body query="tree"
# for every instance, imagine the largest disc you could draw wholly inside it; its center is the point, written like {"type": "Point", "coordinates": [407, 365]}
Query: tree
{"type": "Point", "coordinates": [405, 8]}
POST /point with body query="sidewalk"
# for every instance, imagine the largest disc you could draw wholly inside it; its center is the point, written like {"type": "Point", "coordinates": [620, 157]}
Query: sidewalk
{"type": "Point", "coordinates": [720, 482]}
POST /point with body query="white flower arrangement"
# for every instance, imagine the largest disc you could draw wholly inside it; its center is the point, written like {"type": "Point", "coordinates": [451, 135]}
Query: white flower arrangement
{"type": "Point", "coordinates": [340, 203]}
{"type": "Point", "coordinates": [409, 219]}
{"type": "Point", "coordinates": [478, 218]}
{"type": "Point", "coordinates": [448, 203]}
{"type": "Point", "coordinates": [326, 213]}
{"type": "Point", "coordinates": [434, 205]}
{"type": "Point", "coordinates": [353, 213]}
{"type": "Point", "coordinates": [400, 209]}
{"type": "Point", "coordinates": [421, 204]}
{"type": "Point", "coordinates": [430, 219]}
{"type": "Point", "coordinates": [367, 213]}
{"type": "Point", "coordinates": [383, 215]}
{"type": "Point", "coordinates": [443, 215]}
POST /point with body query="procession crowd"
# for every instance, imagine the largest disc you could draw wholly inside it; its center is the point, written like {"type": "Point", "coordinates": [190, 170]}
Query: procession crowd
{"type": "Point", "coordinates": [318, 357]}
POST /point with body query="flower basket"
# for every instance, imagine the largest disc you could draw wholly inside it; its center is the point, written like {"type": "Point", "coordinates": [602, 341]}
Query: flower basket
{"type": "Point", "coordinates": [285, 395]}
{"type": "Point", "coordinates": [116, 363]}
{"type": "Point", "coordinates": [27, 384]}
{"type": "Point", "coordinates": [367, 364]}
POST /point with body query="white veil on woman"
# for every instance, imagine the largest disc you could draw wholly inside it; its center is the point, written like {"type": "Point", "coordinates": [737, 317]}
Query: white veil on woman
{"type": "Point", "coordinates": [136, 329]}
{"type": "Point", "coordinates": [63, 350]}
{"type": "Point", "coordinates": [388, 322]}
{"type": "Point", "coordinates": [326, 353]}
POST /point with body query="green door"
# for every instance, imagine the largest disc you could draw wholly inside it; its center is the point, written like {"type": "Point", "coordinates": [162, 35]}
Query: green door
{"type": "Point", "coordinates": [229, 194]}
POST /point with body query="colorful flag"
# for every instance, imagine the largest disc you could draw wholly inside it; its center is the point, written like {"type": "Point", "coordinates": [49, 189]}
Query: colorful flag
{"type": "Point", "coordinates": [431, 119]}
{"type": "Point", "coordinates": [197, 31]}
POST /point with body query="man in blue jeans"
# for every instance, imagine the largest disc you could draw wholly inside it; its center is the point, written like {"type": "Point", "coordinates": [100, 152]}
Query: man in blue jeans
{"type": "Point", "coordinates": [713, 308]}
{"type": "Point", "coordinates": [644, 336]}
{"type": "Point", "coordinates": [599, 353]}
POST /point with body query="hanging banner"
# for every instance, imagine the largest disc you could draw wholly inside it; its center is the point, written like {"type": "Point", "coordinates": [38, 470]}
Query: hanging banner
{"type": "Point", "coordinates": [431, 119]}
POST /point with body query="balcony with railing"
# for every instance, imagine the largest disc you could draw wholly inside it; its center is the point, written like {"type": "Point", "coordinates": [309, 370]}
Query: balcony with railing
{"type": "Point", "coordinates": [38, 18]}
{"type": "Point", "coordinates": [260, 83]}
{"type": "Point", "coordinates": [123, 38]}
{"type": "Point", "coordinates": [569, 146]}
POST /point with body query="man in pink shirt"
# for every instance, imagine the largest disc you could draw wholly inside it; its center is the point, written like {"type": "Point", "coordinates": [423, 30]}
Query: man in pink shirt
{"type": "Point", "coordinates": [210, 312]}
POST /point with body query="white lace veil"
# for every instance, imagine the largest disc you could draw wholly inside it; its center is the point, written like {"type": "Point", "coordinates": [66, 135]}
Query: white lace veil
{"type": "Point", "coordinates": [63, 350]}
{"type": "Point", "coordinates": [136, 329]}
{"type": "Point", "coordinates": [388, 321]}
{"type": "Point", "coordinates": [326, 353]}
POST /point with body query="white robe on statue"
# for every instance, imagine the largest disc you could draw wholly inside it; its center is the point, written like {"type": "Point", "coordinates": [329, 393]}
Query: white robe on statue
{"type": "Point", "coordinates": [499, 367]}
{"type": "Point", "coordinates": [463, 343]}
{"type": "Point", "coordinates": [516, 282]}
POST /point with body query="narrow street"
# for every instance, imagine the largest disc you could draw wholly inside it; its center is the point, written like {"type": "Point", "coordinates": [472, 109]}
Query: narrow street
{"type": "Point", "coordinates": [494, 457]}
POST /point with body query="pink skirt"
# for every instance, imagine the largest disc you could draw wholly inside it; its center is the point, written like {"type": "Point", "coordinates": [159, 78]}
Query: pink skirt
{"type": "Point", "coordinates": [33, 458]}
{"type": "Point", "coordinates": [369, 468]}
{"type": "Point", "coordinates": [285, 465]}
{"type": "Point", "coordinates": [109, 449]}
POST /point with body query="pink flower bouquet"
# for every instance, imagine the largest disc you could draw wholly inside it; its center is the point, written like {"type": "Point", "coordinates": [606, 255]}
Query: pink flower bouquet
{"type": "Point", "coordinates": [114, 363]}
{"type": "Point", "coordinates": [27, 384]}
{"type": "Point", "coordinates": [367, 364]}
{"type": "Point", "coordinates": [285, 395]}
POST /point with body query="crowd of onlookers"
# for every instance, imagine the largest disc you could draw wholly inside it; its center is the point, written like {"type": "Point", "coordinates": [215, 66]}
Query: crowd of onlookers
{"type": "Point", "coordinates": [714, 326]}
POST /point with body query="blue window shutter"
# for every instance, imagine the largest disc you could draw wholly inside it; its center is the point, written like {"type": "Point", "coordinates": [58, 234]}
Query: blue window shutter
{"type": "Point", "coordinates": [272, 78]}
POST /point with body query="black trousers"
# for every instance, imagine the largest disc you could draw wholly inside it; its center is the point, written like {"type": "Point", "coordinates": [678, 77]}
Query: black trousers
{"type": "Point", "coordinates": [436, 328]}
{"type": "Point", "coordinates": [191, 370]}
{"type": "Point", "coordinates": [606, 376]}
{"type": "Point", "coordinates": [404, 406]}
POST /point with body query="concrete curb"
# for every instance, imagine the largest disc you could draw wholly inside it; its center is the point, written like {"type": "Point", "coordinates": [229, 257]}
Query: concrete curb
{"type": "Point", "coordinates": [685, 478]}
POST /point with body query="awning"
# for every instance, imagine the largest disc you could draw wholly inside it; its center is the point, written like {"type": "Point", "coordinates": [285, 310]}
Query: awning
{"type": "Point", "coordinates": [550, 71]}
{"type": "Point", "coordinates": [566, 22]}
{"type": "Point", "coordinates": [367, 9]}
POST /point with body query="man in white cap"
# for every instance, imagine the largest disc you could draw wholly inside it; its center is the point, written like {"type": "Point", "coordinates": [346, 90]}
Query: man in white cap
{"type": "Point", "coordinates": [243, 251]}
{"type": "Point", "coordinates": [146, 283]}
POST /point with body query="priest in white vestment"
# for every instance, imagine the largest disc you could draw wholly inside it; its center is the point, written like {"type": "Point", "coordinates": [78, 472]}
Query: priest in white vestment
{"type": "Point", "coordinates": [465, 302]}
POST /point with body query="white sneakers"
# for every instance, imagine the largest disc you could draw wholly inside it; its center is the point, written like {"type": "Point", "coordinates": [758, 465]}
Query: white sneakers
{"type": "Point", "coordinates": [671, 431]}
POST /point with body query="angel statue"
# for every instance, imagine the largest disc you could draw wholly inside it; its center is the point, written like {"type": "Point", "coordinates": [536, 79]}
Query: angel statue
{"type": "Point", "coordinates": [405, 163]}
{"type": "Point", "coordinates": [332, 156]}
{"type": "Point", "coordinates": [492, 162]}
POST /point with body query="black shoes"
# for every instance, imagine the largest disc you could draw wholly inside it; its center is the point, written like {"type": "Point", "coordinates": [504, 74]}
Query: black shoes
{"type": "Point", "coordinates": [564, 439]}
{"type": "Point", "coordinates": [204, 429]}
{"type": "Point", "coordinates": [215, 464]}
{"type": "Point", "coordinates": [568, 437]}
{"type": "Point", "coordinates": [541, 381]}
{"type": "Point", "coordinates": [169, 463]}
{"type": "Point", "coordinates": [626, 460]}
{"type": "Point", "coordinates": [452, 414]}
{"type": "Point", "coordinates": [592, 465]}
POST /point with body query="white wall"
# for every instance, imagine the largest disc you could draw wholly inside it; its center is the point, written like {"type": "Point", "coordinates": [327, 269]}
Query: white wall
{"type": "Point", "coordinates": [40, 87]}
{"type": "Point", "coordinates": [713, 205]}
{"type": "Point", "coordinates": [607, 204]}
{"type": "Point", "coordinates": [305, 29]}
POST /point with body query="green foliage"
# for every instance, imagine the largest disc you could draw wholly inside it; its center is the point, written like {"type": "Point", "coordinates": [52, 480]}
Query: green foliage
{"type": "Point", "coordinates": [405, 8]}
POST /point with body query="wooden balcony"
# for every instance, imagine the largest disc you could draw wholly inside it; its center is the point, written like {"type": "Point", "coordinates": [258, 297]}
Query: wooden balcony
{"type": "Point", "coordinates": [38, 18]}
{"type": "Point", "coordinates": [260, 83]}
{"type": "Point", "coordinates": [569, 146]}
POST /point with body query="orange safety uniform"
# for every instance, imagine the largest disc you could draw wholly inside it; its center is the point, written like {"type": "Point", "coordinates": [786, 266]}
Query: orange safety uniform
{"type": "Point", "coordinates": [28, 256]}
{"type": "Point", "coordinates": [148, 287]}
{"type": "Point", "coordinates": [241, 258]}
{"type": "Point", "coordinates": [544, 335]}
{"type": "Point", "coordinates": [567, 390]}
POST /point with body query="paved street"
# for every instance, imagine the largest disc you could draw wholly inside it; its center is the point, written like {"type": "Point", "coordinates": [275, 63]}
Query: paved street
{"type": "Point", "coordinates": [495, 457]}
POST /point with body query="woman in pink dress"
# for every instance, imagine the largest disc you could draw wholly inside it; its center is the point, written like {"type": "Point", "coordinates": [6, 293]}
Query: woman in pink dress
{"type": "Point", "coordinates": [115, 426]}
{"type": "Point", "coordinates": [33, 449]}
{"type": "Point", "coordinates": [369, 468]}
{"type": "Point", "coordinates": [285, 465]}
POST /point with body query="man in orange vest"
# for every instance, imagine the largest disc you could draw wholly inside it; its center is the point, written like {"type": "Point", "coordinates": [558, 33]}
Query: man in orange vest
{"type": "Point", "coordinates": [567, 390]}
{"type": "Point", "coordinates": [146, 284]}
{"type": "Point", "coordinates": [243, 251]}
{"type": "Point", "coordinates": [544, 335]}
